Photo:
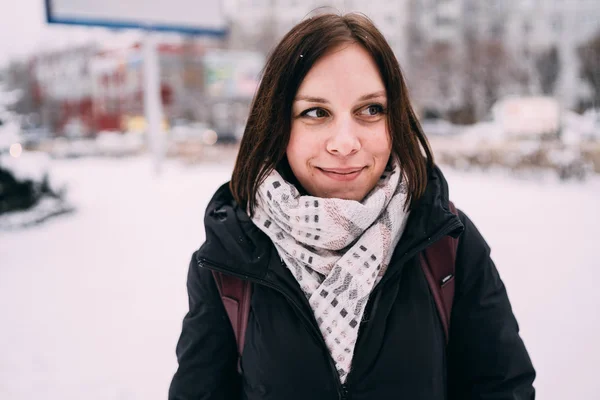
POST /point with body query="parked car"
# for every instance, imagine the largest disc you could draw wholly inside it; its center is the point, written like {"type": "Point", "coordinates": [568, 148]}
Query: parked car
{"type": "Point", "coordinates": [187, 132]}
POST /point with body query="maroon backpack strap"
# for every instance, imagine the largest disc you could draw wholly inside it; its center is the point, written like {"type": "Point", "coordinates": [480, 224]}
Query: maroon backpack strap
{"type": "Point", "coordinates": [438, 263]}
{"type": "Point", "coordinates": [235, 294]}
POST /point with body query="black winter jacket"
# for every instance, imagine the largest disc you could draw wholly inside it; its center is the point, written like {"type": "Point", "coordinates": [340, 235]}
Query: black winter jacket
{"type": "Point", "coordinates": [401, 351]}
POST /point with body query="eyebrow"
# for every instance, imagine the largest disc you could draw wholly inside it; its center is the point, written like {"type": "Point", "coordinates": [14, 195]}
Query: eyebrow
{"type": "Point", "coordinates": [312, 99]}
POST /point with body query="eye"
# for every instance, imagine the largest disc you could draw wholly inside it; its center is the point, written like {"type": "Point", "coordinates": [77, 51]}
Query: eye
{"type": "Point", "coordinates": [372, 110]}
{"type": "Point", "coordinates": [314, 113]}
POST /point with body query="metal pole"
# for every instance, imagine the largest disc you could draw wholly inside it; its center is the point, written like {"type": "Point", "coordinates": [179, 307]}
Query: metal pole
{"type": "Point", "coordinates": [152, 101]}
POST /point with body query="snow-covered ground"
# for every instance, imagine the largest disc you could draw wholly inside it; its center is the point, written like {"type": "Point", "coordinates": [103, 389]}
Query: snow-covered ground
{"type": "Point", "coordinates": [91, 303]}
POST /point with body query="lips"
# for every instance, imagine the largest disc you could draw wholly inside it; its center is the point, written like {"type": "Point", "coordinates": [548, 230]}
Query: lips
{"type": "Point", "coordinates": [342, 171]}
{"type": "Point", "coordinates": [342, 174]}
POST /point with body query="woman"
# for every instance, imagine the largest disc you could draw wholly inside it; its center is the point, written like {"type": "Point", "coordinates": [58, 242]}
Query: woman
{"type": "Point", "coordinates": [333, 198]}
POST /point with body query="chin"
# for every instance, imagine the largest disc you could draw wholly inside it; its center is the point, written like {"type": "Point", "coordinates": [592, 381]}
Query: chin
{"type": "Point", "coordinates": [345, 194]}
{"type": "Point", "coordinates": [354, 197]}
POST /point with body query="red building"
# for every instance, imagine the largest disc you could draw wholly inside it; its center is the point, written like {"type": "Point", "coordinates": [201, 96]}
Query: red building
{"type": "Point", "coordinates": [83, 91]}
{"type": "Point", "coordinates": [62, 90]}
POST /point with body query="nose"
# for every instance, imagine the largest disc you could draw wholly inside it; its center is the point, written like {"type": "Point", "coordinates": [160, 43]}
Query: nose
{"type": "Point", "coordinates": [343, 140]}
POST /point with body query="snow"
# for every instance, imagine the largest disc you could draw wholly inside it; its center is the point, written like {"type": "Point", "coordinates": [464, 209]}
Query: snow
{"type": "Point", "coordinates": [45, 208]}
{"type": "Point", "coordinates": [9, 134]}
{"type": "Point", "coordinates": [34, 167]}
{"type": "Point", "coordinates": [8, 97]}
{"type": "Point", "coordinates": [119, 144]}
{"type": "Point", "coordinates": [577, 128]}
{"type": "Point", "coordinates": [92, 301]}
{"type": "Point", "coordinates": [31, 166]}
{"type": "Point", "coordinates": [106, 144]}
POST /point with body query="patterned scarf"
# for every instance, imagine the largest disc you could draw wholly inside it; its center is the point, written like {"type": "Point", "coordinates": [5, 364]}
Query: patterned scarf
{"type": "Point", "coordinates": [337, 250]}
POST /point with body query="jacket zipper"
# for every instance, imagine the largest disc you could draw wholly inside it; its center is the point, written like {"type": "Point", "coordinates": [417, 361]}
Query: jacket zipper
{"type": "Point", "coordinates": [309, 322]}
{"type": "Point", "coordinates": [344, 394]}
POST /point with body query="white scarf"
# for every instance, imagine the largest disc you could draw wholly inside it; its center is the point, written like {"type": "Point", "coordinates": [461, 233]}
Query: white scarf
{"type": "Point", "coordinates": [337, 250]}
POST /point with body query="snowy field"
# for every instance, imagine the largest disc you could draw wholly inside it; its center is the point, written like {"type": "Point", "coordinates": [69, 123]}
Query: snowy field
{"type": "Point", "coordinates": [91, 302]}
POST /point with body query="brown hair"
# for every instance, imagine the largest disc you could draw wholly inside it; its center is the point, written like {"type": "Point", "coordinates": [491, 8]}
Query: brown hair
{"type": "Point", "coordinates": [263, 145]}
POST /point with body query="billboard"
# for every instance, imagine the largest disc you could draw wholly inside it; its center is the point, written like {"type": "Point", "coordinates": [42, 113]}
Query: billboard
{"type": "Point", "coordinates": [198, 17]}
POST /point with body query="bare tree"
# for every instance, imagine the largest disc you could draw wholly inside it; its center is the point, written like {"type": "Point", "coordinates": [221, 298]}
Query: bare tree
{"type": "Point", "coordinates": [589, 55]}
{"type": "Point", "coordinates": [437, 80]}
{"type": "Point", "coordinates": [18, 77]}
{"type": "Point", "coordinates": [490, 72]}
{"type": "Point", "coordinates": [494, 68]}
{"type": "Point", "coordinates": [547, 64]}
{"type": "Point", "coordinates": [440, 64]}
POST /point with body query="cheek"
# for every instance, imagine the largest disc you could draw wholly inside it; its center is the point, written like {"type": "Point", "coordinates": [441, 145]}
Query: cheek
{"type": "Point", "coordinates": [300, 148]}
{"type": "Point", "coordinates": [388, 144]}
{"type": "Point", "coordinates": [379, 143]}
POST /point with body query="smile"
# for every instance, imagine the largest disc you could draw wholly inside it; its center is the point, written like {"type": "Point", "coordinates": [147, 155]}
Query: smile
{"type": "Point", "coordinates": [341, 174]}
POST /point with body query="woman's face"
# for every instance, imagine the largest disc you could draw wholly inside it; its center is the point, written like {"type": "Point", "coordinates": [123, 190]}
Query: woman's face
{"type": "Point", "coordinates": [339, 143]}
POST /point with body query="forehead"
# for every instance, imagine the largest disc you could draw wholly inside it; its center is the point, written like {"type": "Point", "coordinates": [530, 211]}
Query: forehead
{"type": "Point", "coordinates": [348, 71]}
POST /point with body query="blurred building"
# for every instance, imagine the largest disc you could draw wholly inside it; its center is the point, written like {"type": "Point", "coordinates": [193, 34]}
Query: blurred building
{"type": "Point", "coordinates": [486, 19]}
{"type": "Point", "coordinates": [537, 25]}
{"type": "Point", "coordinates": [525, 28]}
{"type": "Point", "coordinates": [118, 83]}
{"type": "Point", "coordinates": [521, 30]}
{"type": "Point", "coordinates": [452, 51]}
{"type": "Point", "coordinates": [266, 21]}
{"type": "Point", "coordinates": [82, 91]}
{"type": "Point", "coordinates": [438, 21]}
{"type": "Point", "coordinates": [62, 90]}
{"type": "Point", "coordinates": [231, 78]}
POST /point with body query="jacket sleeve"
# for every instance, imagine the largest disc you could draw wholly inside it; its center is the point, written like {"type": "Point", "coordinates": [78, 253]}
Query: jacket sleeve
{"type": "Point", "coordinates": [206, 350]}
{"type": "Point", "coordinates": [486, 356]}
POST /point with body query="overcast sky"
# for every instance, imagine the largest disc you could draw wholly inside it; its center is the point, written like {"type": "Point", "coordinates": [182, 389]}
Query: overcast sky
{"type": "Point", "coordinates": [24, 30]}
